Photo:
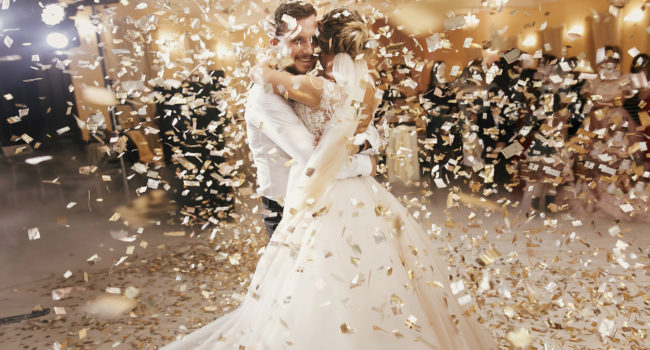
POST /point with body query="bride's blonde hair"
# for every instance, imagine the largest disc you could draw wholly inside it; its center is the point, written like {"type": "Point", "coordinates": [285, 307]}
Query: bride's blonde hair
{"type": "Point", "coordinates": [343, 31]}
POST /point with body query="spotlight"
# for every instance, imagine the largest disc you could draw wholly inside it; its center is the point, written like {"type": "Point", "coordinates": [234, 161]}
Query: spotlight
{"type": "Point", "coordinates": [57, 40]}
{"type": "Point", "coordinates": [53, 14]}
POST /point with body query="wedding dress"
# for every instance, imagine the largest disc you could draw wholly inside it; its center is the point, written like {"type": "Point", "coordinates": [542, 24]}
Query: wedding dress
{"type": "Point", "coordinates": [349, 270]}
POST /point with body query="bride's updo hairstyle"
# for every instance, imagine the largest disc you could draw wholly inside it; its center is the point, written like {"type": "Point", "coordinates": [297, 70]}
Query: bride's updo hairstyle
{"type": "Point", "coordinates": [343, 31]}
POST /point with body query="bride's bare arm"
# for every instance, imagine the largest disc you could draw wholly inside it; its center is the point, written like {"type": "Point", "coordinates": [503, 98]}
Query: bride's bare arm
{"type": "Point", "coordinates": [308, 90]}
{"type": "Point", "coordinates": [370, 104]}
{"type": "Point", "coordinates": [304, 89]}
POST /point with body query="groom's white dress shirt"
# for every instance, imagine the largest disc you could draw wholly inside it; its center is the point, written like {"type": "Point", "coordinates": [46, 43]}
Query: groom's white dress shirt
{"type": "Point", "coordinates": [281, 144]}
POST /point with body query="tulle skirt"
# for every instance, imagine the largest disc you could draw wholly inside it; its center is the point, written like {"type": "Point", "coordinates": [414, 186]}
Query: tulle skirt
{"type": "Point", "coordinates": [353, 272]}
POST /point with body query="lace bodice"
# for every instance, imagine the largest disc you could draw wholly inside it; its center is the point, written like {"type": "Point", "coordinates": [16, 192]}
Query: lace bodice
{"type": "Point", "coordinates": [316, 119]}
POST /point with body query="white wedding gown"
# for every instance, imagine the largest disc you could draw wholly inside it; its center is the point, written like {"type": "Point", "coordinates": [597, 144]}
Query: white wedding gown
{"type": "Point", "coordinates": [351, 271]}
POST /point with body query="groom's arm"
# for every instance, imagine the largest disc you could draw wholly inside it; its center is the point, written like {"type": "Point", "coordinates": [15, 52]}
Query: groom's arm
{"type": "Point", "coordinates": [279, 122]}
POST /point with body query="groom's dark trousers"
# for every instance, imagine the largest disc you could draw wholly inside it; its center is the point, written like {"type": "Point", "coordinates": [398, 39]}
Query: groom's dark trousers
{"type": "Point", "coordinates": [272, 214]}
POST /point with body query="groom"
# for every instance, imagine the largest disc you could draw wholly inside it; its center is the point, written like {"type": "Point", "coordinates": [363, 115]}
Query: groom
{"type": "Point", "coordinates": [280, 144]}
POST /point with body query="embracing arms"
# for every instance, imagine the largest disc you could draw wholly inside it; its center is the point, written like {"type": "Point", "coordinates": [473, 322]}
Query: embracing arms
{"type": "Point", "coordinates": [301, 88]}
{"type": "Point", "coordinates": [273, 117]}
{"type": "Point", "coordinates": [308, 90]}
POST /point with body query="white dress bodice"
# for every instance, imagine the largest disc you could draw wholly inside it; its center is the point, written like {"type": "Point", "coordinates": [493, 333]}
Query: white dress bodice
{"type": "Point", "coordinates": [315, 119]}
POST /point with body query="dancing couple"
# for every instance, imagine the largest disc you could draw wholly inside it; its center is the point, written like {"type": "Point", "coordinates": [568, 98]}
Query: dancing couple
{"type": "Point", "coordinates": [346, 267]}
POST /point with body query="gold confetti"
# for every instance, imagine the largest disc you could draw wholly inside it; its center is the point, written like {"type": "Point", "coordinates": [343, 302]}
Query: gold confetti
{"type": "Point", "coordinates": [345, 328]}
{"type": "Point", "coordinates": [519, 338]}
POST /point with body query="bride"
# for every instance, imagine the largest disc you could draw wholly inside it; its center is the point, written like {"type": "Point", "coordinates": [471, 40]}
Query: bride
{"type": "Point", "coordinates": [347, 268]}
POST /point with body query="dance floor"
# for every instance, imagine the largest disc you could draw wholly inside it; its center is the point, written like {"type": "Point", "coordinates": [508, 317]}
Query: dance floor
{"type": "Point", "coordinates": [557, 282]}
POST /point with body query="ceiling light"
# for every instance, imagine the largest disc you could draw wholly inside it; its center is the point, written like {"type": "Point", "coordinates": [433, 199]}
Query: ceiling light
{"type": "Point", "coordinates": [530, 41]}
{"type": "Point", "coordinates": [53, 14]}
{"type": "Point", "coordinates": [576, 32]}
{"type": "Point", "coordinates": [57, 40]}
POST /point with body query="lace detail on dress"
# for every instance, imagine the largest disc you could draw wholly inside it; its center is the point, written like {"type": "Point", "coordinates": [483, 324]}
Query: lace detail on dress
{"type": "Point", "coordinates": [316, 119]}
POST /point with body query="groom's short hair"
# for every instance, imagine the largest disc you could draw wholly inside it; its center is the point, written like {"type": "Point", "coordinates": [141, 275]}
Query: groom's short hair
{"type": "Point", "coordinates": [296, 9]}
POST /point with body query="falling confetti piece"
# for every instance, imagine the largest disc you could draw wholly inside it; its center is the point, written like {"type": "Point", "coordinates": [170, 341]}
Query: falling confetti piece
{"type": "Point", "coordinates": [63, 293]}
{"type": "Point", "coordinates": [175, 233]}
{"type": "Point", "coordinates": [33, 233]}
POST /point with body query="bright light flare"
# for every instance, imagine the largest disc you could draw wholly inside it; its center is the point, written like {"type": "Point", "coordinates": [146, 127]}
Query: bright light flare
{"type": "Point", "coordinates": [224, 51]}
{"type": "Point", "coordinates": [57, 40]}
{"type": "Point", "coordinates": [53, 14]}
{"type": "Point", "coordinates": [576, 32]}
{"type": "Point", "coordinates": [530, 41]}
{"type": "Point", "coordinates": [635, 16]}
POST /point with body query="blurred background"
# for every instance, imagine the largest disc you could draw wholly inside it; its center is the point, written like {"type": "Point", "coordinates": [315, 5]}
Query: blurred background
{"type": "Point", "coordinates": [122, 123]}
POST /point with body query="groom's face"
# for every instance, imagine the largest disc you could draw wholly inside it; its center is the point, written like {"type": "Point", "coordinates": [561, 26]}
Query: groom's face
{"type": "Point", "coordinates": [301, 45]}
